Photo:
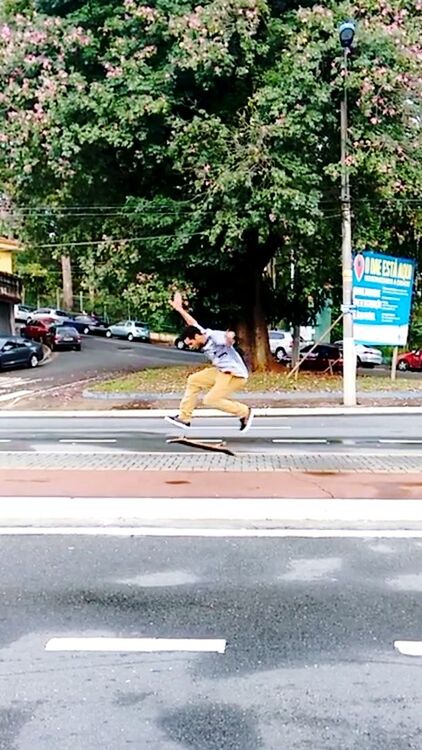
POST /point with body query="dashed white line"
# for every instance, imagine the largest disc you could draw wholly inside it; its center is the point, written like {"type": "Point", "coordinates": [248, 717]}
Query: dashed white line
{"type": "Point", "coordinates": [144, 645]}
{"type": "Point", "coordinates": [409, 648]}
{"type": "Point", "coordinates": [401, 442]}
{"type": "Point", "coordinates": [299, 440]}
{"type": "Point", "coordinates": [87, 440]}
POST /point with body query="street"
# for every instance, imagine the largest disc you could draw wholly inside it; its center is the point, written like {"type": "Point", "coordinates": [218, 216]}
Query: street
{"type": "Point", "coordinates": [308, 626]}
{"type": "Point", "coordinates": [128, 432]}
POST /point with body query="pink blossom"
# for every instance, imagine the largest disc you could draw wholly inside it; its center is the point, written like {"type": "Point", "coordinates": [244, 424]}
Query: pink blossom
{"type": "Point", "coordinates": [367, 86]}
{"type": "Point", "coordinates": [113, 71]}
{"type": "Point", "coordinates": [5, 32]}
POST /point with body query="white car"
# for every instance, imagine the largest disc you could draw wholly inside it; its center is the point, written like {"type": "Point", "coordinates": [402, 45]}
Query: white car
{"type": "Point", "coordinates": [281, 343]}
{"type": "Point", "coordinates": [366, 356]}
{"type": "Point", "coordinates": [48, 312]}
{"type": "Point", "coordinates": [21, 312]}
{"type": "Point", "coordinates": [130, 330]}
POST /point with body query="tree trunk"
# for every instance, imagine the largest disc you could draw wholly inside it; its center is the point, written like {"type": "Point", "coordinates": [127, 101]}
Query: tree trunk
{"type": "Point", "coordinates": [67, 282]}
{"type": "Point", "coordinates": [252, 330]}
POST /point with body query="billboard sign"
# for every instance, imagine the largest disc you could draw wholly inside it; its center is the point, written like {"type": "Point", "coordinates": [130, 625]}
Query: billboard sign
{"type": "Point", "coordinates": [382, 298]}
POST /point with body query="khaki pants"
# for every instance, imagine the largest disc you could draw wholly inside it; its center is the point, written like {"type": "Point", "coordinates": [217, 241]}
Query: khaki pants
{"type": "Point", "coordinates": [221, 385]}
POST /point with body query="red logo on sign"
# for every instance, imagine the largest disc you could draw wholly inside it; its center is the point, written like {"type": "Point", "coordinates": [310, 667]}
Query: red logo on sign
{"type": "Point", "coordinates": [359, 266]}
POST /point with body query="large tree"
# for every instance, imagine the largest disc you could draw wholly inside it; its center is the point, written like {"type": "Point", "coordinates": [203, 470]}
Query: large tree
{"type": "Point", "coordinates": [215, 128]}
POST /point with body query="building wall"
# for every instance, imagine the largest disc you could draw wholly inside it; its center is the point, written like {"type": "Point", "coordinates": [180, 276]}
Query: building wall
{"type": "Point", "coordinates": [6, 317]}
{"type": "Point", "coordinates": [6, 261]}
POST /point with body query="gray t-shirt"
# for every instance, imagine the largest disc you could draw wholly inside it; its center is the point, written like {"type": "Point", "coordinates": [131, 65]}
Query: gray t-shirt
{"type": "Point", "coordinates": [222, 355]}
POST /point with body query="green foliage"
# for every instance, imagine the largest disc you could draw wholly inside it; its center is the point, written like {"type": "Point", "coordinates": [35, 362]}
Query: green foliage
{"type": "Point", "coordinates": [212, 129]}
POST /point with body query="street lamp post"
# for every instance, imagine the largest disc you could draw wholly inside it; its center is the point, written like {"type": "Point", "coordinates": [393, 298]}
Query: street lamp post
{"type": "Point", "coordinates": [346, 33]}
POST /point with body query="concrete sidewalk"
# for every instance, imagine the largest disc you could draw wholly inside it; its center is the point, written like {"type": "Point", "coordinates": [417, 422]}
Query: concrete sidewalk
{"type": "Point", "coordinates": [179, 484]}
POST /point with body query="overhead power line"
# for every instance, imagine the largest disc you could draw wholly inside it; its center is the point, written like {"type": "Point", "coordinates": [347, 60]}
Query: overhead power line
{"type": "Point", "coordinates": [109, 240]}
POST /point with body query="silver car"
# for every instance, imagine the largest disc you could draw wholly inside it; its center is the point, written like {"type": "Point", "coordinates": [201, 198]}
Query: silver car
{"type": "Point", "coordinates": [130, 330]}
{"type": "Point", "coordinates": [366, 356]}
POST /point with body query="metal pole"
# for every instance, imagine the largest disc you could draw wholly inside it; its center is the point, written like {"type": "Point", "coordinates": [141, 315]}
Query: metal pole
{"type": "Point", "coordinates": [394, 363]}
{"type": "Point", "coordinates": [349, 353]}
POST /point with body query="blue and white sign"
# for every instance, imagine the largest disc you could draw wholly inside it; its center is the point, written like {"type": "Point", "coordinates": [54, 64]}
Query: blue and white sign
{"type": "Point", "coordinates": [382, 298]}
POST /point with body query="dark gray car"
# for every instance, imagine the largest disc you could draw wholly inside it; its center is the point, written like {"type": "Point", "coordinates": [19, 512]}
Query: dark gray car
{"type": "Point", "coordinates": [18, 352]}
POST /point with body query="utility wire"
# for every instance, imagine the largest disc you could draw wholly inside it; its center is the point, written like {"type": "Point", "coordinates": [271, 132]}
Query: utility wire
{"type": "Point", "coordinates": [109, 240]}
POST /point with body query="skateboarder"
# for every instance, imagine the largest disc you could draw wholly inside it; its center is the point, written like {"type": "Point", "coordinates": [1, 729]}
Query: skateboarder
{"type": "Point", "coordinates": [227, 374]}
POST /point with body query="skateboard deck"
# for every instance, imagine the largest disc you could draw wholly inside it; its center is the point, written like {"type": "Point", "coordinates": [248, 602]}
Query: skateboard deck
{"type": "Point", "coordinates": [219, 447]}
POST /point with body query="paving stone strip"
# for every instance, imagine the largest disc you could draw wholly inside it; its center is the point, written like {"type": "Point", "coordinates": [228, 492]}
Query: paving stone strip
{"type": "Point", "coordinates": [203, 462]}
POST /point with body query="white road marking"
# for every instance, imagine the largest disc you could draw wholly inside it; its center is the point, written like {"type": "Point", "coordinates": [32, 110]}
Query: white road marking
{"type": "Point", "coordinates": [285, 412]}
{"type": "Point", "coordinates": [145, 645]}
{"type": "Point", "coordinates": [298, 440]}
{"type": "Point", "coordinates": [141, 511]}
{"type": "Point", "coordinates": [87, 440]}
{"type": "Point", "coordinates": [402, 442]}
{"type": "Point", "coordinates": [13, 395]}
{"type": "Point", "coordinates": [409, 648]}
{"type": "Point", "coordinates": [5, 441]}
{"type": "Point", "coordinates": [148, 531]}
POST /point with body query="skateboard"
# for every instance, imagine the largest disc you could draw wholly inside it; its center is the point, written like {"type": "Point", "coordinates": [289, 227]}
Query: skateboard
{"type": "Point", "coordinates": [219, 447]}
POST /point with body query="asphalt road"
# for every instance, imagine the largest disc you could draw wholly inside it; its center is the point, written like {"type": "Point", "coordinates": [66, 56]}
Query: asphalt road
{"type": "Point", "coordinates": [100, 355]}
{"type": "Point", "coordinates": [268, 434]}
{"type": "Point", "coordinates": [308, 628]}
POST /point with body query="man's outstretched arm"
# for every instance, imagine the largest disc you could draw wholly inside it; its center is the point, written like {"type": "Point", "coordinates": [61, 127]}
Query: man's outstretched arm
{"type": "Point", "coordinates": [177, 304]}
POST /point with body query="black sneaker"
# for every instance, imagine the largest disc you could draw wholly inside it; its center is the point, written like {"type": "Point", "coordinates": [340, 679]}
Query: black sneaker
{"type": "Point", "coordinates": [245, 422]}
{"type": "Point", "coordinates": [178, 422]}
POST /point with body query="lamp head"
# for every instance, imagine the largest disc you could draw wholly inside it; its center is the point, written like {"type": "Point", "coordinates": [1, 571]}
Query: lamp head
{"type": "Point", "coordinates": [347, 32]}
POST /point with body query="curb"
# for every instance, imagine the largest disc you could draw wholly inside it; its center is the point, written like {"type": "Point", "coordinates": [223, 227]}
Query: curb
{"type": "Point", "coordinates": [17, 511]}
{"type": "Point", "coordinates": [253, 396]}
{"type": "Point", "coordinates": [288, 411]}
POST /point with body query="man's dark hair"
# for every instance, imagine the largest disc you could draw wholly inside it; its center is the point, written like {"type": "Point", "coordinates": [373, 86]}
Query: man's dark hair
{"type": "Point", "coordinates": [190, 332]}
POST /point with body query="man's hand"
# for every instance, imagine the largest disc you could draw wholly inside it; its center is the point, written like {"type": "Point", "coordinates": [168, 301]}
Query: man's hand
{"type": "Point", "coordinates": [230, 338]}
{"type": "Point", "coordinates": [177, 302]}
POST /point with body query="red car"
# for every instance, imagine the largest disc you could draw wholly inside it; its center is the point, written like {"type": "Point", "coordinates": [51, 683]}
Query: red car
{"type": "Point", "coordinates": [53, 335]}
{"type": "Point", "coordinates": [39, 330]}
{"type": "Point", "coordinates": [410, 360]}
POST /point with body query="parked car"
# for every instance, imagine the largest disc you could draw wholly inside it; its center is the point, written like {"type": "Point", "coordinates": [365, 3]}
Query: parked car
{"type": "Point", "coordinates": [281, 343]}
{"type": "Point", "coordinates": [410, 360]}
{"type": "Point", "coordinates": [366, 356]}
{"type": "Point", "coordinates": [16, 352]}
{"type": "Point", "coordinates": [49, 312]}
{"type": "Point", "coordinates": [130, 330]}
{"type": "Point", "coordinates": [65, 337]}
{"type": "Point", "coordinates": [180, 344]}
{"type": "Point", "coordinates": [324, 357]}
{"type": "Point", "coordinates": [38, 330]}
{"type": "Point", "coordinates": [21, 312]}
{"type": "Point", "coordinates": [83, 323]}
